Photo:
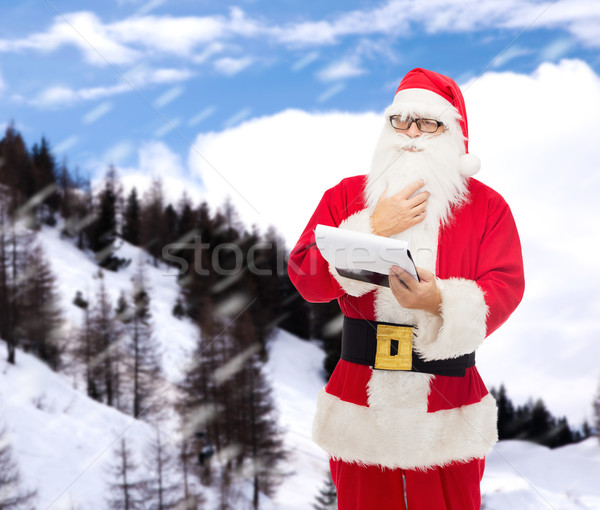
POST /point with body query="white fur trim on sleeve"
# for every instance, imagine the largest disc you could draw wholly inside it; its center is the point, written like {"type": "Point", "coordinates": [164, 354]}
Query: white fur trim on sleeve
{"type": "Point", "coordinates": [357, 222]}
{"type": "Point", "coordinates": [352, 287]}
{"type": "Point", "coordinates": [461, 326]}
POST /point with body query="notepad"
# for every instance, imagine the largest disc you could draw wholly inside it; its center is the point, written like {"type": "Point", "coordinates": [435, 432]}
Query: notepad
{"type": "Point", "coordinates": [365, 257]}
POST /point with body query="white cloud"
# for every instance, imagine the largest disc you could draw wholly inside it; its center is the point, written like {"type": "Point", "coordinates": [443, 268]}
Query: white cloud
{"type": "Point", "coordinates": [118, 152]}
{"type": "Point", "coordinates": [200, 116]}
{"type": "Point", "coordinates": [404, 17]}
{"type": "Point", "coordinates": [156, 160]}
{"type": "Point", "coordinates": [125, 41]}
{"type": "Point", "coordinates": [346, 68]}
{"type": "Point", "coordinates": [330, 92]}
{"type": "Point", "coordinates": [509, 54]}
{"type": "Point", "coordinates": [83, 30]}
{"type": "Point", "coordinates": [307, 59]}
{"type": "Point", "coordinates": [167, 127]}
{"type": "Point", "coordinates": [238, 117]}
{"type": "Point", "coordinates": [66, 144]}
{"type": "Point", "coordinates": [60, 95]}
{"type": "Point", "coordinates": [231, 66]}
{"type": "Point", "coordinates": [149, 6]}
{"type": "Point", "coordinates": [138, 77]}
{"type": "Point", "coordinates": [96, 113]}
{"type": "Point", "coordinates": [276, 169]}
{"type": "Point", "coordinates": [199, 37]}
{"type": "Point", "coordinates": [278, 160]}
{"type": "Point", "coordinates": [208, 51]}
{"type": "Point", "coordinates": [168, 96]}
{"type": "Point", "coordinates": [556, 50]}
{"type": "Point", "coordinates": [545, 169]}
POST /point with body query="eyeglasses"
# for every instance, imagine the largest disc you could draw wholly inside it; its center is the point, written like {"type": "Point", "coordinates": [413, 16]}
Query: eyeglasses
{"type": "Point", "coordinates": [424, 125]}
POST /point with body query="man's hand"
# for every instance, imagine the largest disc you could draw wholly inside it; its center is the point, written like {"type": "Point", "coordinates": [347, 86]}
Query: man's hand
{"type": "Point", "coordinates": [410, 293]}
{"type": "Point", "coordinates": [399, 212]}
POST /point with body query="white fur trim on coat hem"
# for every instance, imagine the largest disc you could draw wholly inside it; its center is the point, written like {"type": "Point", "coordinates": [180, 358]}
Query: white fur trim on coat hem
{"type": "Point", "coordinates": [462, 328]}
{"type": "Point", "coordinates": [418, 440]}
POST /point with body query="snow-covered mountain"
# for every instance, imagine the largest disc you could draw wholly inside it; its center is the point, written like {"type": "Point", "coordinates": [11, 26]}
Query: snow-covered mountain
{"type": "Point", "coordinates": [63, 441]}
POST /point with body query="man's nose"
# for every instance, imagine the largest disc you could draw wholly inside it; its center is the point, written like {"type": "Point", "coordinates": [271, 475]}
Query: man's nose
{"type": "Point", "coordinates": [413, 130]}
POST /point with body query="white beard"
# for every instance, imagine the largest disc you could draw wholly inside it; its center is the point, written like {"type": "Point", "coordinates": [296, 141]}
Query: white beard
{"type": "Point", "coordinates": [393, 168]}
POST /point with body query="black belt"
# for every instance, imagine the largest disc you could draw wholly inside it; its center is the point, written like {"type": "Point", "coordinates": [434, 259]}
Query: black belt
{"type": "Point", "coordinates": [387, 346]}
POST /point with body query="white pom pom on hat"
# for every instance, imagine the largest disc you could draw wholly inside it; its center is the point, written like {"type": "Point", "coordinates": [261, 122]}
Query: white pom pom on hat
{"type": "Point", "coordinates": [469, 165]}
{"type": "Point", "coordinates": [433, 93]}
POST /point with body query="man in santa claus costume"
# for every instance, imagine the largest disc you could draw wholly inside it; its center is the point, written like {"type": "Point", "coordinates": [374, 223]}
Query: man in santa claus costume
{"type": "Point", "coordinates": [405, 417]}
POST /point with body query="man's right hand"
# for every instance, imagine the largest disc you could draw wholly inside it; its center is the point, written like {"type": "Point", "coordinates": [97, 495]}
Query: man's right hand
{"type": "Point", "coordinates": [399, 212]}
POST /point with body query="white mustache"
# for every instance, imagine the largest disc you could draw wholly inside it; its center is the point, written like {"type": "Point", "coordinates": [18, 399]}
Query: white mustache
{"type": "Point", "coordinates": [423, 142]}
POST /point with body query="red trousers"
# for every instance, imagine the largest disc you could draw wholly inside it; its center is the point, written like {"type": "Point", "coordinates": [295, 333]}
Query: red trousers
{"type": "Point", "coordinates": [453, 487]}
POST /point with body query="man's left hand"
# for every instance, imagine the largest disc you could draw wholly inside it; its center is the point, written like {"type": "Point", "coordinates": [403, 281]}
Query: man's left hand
{"type": "Point", "coordinates": [410, 293]}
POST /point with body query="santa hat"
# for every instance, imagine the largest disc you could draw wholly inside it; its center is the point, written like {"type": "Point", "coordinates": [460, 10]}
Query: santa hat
{"type": "Point", "coordinates": [427, 93]}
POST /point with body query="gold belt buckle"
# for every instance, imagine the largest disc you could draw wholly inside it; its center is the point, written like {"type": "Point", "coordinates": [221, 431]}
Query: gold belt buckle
{"type": "Point", "coordinates": [394, 347]}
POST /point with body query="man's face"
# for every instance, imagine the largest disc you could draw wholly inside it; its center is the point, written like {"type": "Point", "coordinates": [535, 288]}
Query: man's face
{"type": "Point", "coordinates": [405, 153]}
{"type": "Point", "coordinates": [413, 131]}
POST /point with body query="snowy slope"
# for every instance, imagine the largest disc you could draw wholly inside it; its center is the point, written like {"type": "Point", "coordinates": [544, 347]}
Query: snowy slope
{"type": "Point", "coordinates": [530, 477]}
{"type": "Point", "coordinates": [62, 440]}
{"type": "Point", "coordinates": [74, 271]}
{"type": "Point", "coordinates": [295, 371]}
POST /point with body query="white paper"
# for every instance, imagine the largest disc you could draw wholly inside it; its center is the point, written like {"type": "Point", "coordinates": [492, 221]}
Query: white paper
{"type": "Point", "coordinates": [346, 249]}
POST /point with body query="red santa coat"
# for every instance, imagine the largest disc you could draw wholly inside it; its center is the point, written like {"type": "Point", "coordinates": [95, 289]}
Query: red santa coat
{"type": "Point", "coordinates": [404, 419]}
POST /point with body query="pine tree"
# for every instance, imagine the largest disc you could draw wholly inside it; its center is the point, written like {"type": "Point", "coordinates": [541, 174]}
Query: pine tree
{"type": "Point", "coordinates": [14, 242]}
{"type": "Point", "coordinates": [12, 495]}
{"type": "Point", "coordinates": [296, 311]}
{"type": "Point", "coordinates": [79, 212]}
{"type": "Point", "coordinates": [264, 263]}
{"type": "Point", "coordinates": [249, 418]}
{"type": "Point", "coordinates": [199, 400]}
{"type": "Point", "coordinates": [192, 500]}
{"type": "Point", "coordinates": [541, 423]}
{"type": "Point", "coordinates": [171, 224]}
{"type": "Point", "coordinates": [41, 313]}
{"type": "Point", "coordinates": [327, 497]}
{"type": "Point", "coordinates": [560, 435]}
{"type": "Point", "coordinates": [6, 319]}
{"type": "Point", "coordinates": [161, 489]}
{"type": "Point", "coordinates": [102, 233]}
{"type": "Point", "coordinates": [153, 221]}
{"type": "Point", "coordinates": [46, 187]}
{"type": "Point", "coordinates": [198, 282]}
{"type": "Point", "coordinates": [506, 414]}
{"type": "Point", "coordinates": [596, 418]}
{"type": "Point", "coordinates": [66, 190]}
{"type": "Point", "coordinates": [104, 345]}
{"type": "Point", "coordinates": [141, 350]}
{"type": "Point", "coordinates": [131, 219]}
{"type": "Point", "coordinates": [125, 488]}
{"type": "Point", "coordinates": [85, 349]}
{"type": "Point", "coordinates": [187, 220]}
{"type": "Point", "coordinates": [16, 171]}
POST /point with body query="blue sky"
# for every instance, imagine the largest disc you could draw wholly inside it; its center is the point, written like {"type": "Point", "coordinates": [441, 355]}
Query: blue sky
{"type": "Point", "coordinates": [100, 78]}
